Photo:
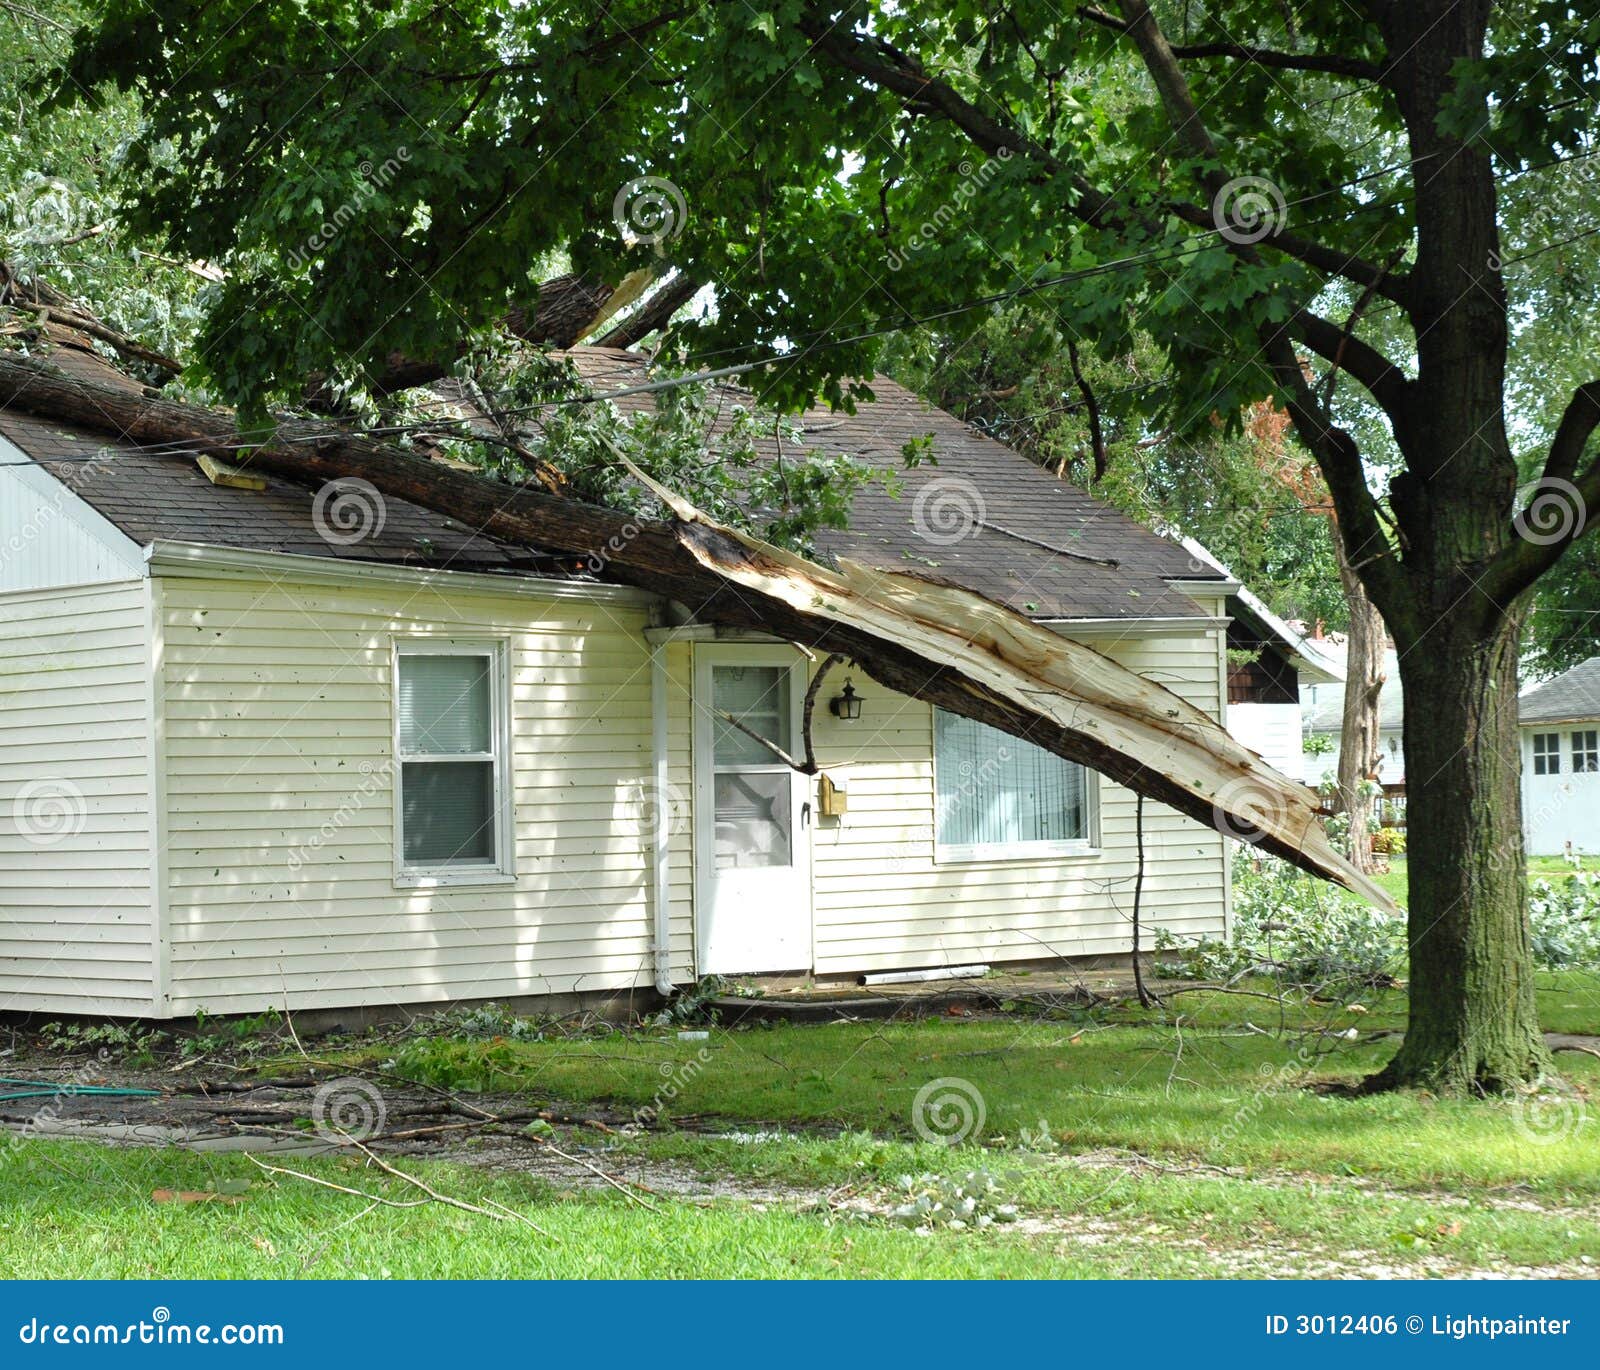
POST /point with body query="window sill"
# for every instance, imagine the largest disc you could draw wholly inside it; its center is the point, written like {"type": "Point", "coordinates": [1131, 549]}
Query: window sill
{"type": "Point", "coordinates": [425, 880]}
{"type": "Point", "coordinates": [1032, 853]}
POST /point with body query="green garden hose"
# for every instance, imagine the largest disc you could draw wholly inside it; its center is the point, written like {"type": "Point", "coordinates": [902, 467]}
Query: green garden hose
{"type": "Point", "coordinates": [43, 1089]}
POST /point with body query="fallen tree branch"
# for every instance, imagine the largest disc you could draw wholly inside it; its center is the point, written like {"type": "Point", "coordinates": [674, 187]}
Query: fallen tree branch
{"type": "Point", "coordinates": [330, 1184]}
{"type": "Point", "coordinates": [499, 1212]}
{"type": "Point", "coordinates": [926, 638]}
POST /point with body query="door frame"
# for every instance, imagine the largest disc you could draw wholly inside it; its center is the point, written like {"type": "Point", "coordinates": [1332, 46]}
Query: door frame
{"type": "Point", "coordinates": [706, 656]}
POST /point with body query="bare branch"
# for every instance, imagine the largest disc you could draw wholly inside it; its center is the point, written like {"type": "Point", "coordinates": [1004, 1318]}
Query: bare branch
{"type": "Point", "coordinates": [1578, 422]}
{"type": "Point", "coordinates": [1525, 559]}
{"type": "Point", "coordinates": [1331, 64]}
{"type": "Point", "coordinates": [1332, 260]}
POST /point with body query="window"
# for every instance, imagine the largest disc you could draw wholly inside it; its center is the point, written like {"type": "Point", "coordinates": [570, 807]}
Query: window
{"type": "Point", "coordinates": [450, 742]}
{"type": "Point", "coordinates": [752, 794]}
{"type": "Point", "coordinates": [998, 797]}
{"type": "Point", "coordinates": [1586, 750]}
{"type": "Point", "coordinates": [1547, 753]}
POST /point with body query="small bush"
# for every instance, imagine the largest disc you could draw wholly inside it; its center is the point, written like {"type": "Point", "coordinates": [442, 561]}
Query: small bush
{"type": "Point", "coordinates": [1564, 916]}
{"type": "Point", "coordinates": [952, 1202]}
{"type": "Point", "coordinates": [1294, 928]}
{"type": "Point", "coordinates": [1291, 927]}
{"type": "Point", "coordinates": [1389, 842]}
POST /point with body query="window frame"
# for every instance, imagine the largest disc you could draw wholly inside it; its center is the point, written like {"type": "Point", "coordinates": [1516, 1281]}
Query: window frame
{"type": "Point", "coordinates": [1585, 743]}
{"type": "Point", "coordinates": [1546, 761]}
{"type": "Point", "coordinates": [502, 871]}
{"type": "Point", "coordinates": [1044, 849]}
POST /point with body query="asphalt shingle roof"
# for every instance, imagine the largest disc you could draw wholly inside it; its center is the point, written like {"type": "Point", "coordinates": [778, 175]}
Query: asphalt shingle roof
{"type": "Point", "coordinates": [153, 497]}
{"type": "Point", "coordinates": [1574, 696]}
{"type": "Point", "coordinates": [976, 488]}
{"type": "Point", "coordinates": [977, 513]}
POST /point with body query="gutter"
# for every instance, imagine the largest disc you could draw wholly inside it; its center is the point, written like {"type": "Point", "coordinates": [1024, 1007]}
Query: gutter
{"type": "Point", "coordinates": [202, 559]}
{"type": "Point", "coordinates": [660, 906]}
{"type": "Point", "coordinates": [1132, 627]}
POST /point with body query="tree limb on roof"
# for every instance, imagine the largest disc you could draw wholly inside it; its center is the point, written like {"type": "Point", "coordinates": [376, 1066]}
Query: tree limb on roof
{"type": "Point", "coordinates": [932, 641]}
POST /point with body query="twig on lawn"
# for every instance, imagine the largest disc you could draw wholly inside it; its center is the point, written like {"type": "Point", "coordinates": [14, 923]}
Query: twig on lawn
{"type": "Point", "coordinates": [626, 1190]}
{"type": "Point", "coordinates": [1177, 1027]}
{"type": "Point", "coordinates": [499, 1211]}
{"type": "Point", "coordinates": [330, 1184]}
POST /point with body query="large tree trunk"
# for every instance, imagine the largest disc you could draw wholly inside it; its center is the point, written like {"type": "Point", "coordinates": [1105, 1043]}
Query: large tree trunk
{"type": "Point", "coordinates": [1473, 1025]}
{"type": "Point", "coordinates": [1360, 735]}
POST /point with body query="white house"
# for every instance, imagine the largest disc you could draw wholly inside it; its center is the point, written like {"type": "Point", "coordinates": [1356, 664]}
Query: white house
{"type": "Point", "coordinates": [1560, 730]}
{"type": "Point", "coordinates": [1325, 719]}
{"type": "Point", "coordinates": [1273, 671]}
{"type": "Point", "coordinates": [268, 747]}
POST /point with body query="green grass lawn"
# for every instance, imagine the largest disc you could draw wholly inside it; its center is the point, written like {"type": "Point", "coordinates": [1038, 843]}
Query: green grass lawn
{"type": "Point", "coordinates": [1130, 1147]}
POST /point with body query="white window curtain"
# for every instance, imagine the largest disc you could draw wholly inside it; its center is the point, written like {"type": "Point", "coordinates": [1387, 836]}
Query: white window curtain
{"type": "Point", "coordinates": [995, 791]}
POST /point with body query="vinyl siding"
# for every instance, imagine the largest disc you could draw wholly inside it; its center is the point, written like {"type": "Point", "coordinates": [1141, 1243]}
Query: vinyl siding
{"type": "Point", "coordinates": [50, 537]}
{"type": "Point", "coordinates": [277, 770]}
{"type": "Point", "coordinates": [77, 836]}
{"type": "Point", "coordinates": [885, 901]}
{"type": "Point", "coordinates": [279, 788]}
{"type": "Point", "coordinates": [1272, 731]}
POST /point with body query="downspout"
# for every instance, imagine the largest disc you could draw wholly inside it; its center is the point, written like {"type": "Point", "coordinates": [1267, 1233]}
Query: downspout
{"type": "Point", "coordinates": [660, 906]}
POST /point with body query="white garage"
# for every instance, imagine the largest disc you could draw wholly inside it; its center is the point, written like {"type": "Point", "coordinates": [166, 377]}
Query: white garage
{"type": "Point", "coordinates": [1560, 725]}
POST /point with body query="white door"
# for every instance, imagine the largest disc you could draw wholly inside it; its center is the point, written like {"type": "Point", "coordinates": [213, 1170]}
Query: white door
{"type": "Point", "coordinates": [752, 813]}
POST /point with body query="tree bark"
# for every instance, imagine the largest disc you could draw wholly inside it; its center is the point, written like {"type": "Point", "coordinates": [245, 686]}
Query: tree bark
{"type": "Point", "coordinates": [1360, 730]}
{"type": "Point", "coordinates": [1473, 1025]}
{"type": "Point", "coordinates": [655, 312]}
{"type": "Point", "coordinates": [1472, 1021]}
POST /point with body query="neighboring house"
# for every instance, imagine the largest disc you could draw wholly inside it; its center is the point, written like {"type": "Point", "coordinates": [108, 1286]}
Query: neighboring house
{"type": "Point", "coordinates": [1325, 718]}
{"type": "Point", "coordinates": [1272, 667]}
{"type": "Point", "coordinates": [277, 747]}
{"type": "Point", "coordinates": [1560, 727]}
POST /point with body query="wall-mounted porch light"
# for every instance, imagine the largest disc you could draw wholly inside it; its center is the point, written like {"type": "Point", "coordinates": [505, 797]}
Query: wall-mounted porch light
{"type": "Point", "coordinates": [846, 704]}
